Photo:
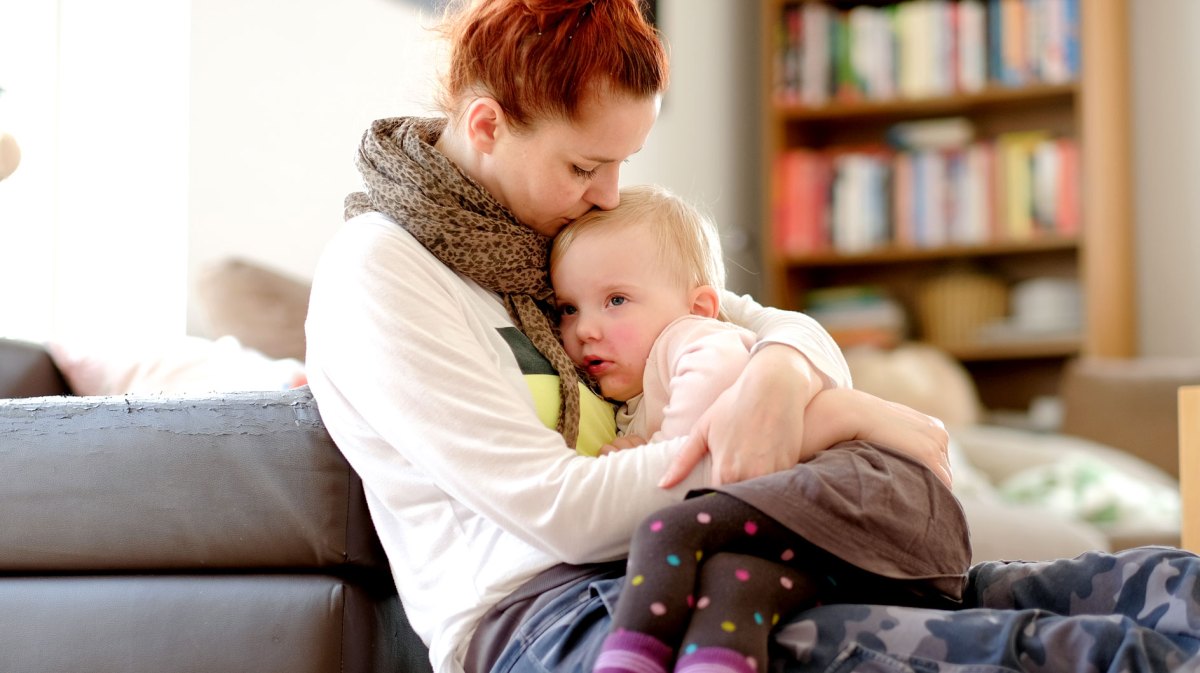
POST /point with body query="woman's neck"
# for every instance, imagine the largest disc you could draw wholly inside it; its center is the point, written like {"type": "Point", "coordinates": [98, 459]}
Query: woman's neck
{"type": "Point", "coordinates": [454, 145]}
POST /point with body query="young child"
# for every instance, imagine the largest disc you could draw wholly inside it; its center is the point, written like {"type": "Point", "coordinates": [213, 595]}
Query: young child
{"type": "Point", "coordinates": [638, 294]}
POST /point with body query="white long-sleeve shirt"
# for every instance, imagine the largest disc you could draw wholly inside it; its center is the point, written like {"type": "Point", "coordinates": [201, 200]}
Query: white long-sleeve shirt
{"type": "Point", "coordinates": [471, 494]}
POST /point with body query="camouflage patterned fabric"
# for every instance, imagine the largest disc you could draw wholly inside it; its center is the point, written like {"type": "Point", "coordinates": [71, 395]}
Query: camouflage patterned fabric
{"type": "Point", "coordinates": [1137, 610]}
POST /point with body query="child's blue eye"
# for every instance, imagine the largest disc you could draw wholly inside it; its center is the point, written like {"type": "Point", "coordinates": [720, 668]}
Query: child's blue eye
{"type": "Point", "coordinates": [617, 301]}
{"type": "Point", "coordinates": [567, 309]}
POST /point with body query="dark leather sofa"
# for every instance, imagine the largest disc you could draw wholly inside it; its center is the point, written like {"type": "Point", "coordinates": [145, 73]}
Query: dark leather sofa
{"type": "Point", "coordinates": [208, 533]}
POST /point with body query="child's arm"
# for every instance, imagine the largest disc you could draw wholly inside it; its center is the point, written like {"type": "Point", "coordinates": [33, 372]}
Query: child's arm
{"type": "Point", "coordinates": [621, 443]}
{"type": "Point", "coordinates": [752, 428]}
{"type": "Point", "coordinates": [693, 361]}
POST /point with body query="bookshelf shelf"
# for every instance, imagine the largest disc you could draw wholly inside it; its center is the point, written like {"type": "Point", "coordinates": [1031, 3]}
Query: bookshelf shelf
{"type": "Point", "coordinates": [1084, 108]}
{"type": "Point", "coordinates": [992, 97]}
{"type": "Point", "coordinates": [903, 255]}
{"type": "Point", "coordinates": [1033, 348]}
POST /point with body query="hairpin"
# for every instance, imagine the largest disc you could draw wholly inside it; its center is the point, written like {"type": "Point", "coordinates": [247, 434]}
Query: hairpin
{"type": "Point", "coordinates": [583, 14]}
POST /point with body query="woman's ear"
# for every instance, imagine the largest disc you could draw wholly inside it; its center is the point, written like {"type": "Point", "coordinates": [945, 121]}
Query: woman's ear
{"type": "Point", "coordinates": [484, 120]}
{"type": "Point", "coordinates": [705, 301]}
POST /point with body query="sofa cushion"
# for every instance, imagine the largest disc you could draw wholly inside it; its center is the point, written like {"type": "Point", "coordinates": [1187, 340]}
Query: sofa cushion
{"type": "Point", "coordinates": [186, 364]}
{"type": "Point", "coordinates": [26, 370]}
{"type": "Point", "coordinates": [263, 308]}
{"type": "Point", "coordinates": [241, 480]}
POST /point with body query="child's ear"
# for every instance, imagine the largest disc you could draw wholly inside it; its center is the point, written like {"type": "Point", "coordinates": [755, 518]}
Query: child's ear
{"type": "Point", "coordinates": [705, 301]}
{"type": "Point", "coordinates": [484, 121]}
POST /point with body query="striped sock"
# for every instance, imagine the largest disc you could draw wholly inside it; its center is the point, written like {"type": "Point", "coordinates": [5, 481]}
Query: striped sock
{"type": "Point", "coordinates": [633, 652]}
{"type": "Point", "coordinates": [715, 660]}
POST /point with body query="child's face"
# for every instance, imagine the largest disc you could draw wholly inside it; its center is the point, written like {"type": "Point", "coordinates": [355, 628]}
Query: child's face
{"type": "Point", "coordinates": [615, 297]}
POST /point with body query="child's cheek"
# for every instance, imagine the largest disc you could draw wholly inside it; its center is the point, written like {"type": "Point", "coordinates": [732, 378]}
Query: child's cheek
{"type": "Point", "coordinates": [628, 337]}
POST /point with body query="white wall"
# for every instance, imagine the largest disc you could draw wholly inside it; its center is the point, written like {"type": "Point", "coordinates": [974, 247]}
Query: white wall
{"type": "Point", "coordinates": [281, 93]}
{"type": "Point", "coordinates": [705, 145]}
{"type": "Point", "coordinates": [279, 100]}
{"type": "Point", "coordinates": [1166, 110]}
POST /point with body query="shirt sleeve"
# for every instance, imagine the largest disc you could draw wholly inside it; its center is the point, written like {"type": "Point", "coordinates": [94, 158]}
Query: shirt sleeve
{"type": "Point", "coordinates": [777, 326]}
{"type": "Point", "coordinates": [695, 360]}
{"type": "Point", "coordinates": [418, 401]}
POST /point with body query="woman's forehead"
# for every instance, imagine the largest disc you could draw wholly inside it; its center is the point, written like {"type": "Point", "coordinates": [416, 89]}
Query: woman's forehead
{"type": "Point", "coordinates": [608, 130]}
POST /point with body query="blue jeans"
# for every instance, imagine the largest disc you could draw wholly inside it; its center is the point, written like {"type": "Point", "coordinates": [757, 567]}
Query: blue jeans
{"type": "Point", "coordinates": [565, 636]}
{"type": "Point", "coordinates": [1132, 611]}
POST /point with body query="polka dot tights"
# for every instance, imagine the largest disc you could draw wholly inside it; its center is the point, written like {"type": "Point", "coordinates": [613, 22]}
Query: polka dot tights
{"type": "Point", "coordinates": [713, 572]}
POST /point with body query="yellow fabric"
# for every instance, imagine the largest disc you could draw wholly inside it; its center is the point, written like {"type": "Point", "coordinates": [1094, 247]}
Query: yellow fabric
{"type": "Point", "coordinates": [597, 418]}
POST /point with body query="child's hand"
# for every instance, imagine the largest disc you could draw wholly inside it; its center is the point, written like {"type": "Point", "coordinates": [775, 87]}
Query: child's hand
{"type": "Point", "coordinates": [621, 443]}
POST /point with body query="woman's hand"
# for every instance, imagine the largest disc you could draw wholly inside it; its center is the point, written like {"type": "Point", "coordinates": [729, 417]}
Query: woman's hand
{"type": "Point", "coordinates": [755, 427]}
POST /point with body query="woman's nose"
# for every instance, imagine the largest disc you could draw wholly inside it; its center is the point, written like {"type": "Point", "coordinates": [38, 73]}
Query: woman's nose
{"type": "Point", "coordinates": [604, 192]}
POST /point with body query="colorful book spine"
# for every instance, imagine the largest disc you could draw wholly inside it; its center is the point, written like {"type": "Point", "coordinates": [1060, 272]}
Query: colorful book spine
{"type": "Point", "coordinates": [801, 201]}
{"type": "Point", "coordinates": [1069, 217]}
{"type": "Point", "coordinates": [1015, 153]}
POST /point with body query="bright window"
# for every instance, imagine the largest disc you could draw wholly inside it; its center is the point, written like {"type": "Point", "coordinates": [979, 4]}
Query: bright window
{"type": "Point", "coordinates": [93, 224]}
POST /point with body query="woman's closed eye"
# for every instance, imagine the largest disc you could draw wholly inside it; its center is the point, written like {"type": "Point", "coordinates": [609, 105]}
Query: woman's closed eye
{"type": "Point", "coordinates": [585, 173]}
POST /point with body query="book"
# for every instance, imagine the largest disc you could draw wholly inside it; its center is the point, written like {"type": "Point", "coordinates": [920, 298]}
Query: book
{"type": "Point", "coordinates": [930, 134]}
{"type": "Point", "coordinates": [1068, 210]}
{"type": "Point", "coordinates": [800, 201]}
{"type": "Point", "coordinates": [857, 315]}
{"type": "Point", "coordinates": [817, 25]}
{"type": "Point", "coordinates": [972, 46]}
{"type": "Point", "coordinates": [1014, 153]}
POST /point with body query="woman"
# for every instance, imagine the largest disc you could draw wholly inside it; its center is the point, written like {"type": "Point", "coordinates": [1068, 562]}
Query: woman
{"type": "Point", "coordinates": [435, 365]}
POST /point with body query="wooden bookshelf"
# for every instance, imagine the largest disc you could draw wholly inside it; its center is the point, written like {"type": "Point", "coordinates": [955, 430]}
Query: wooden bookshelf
{"type": "Point", "coordinates": [991, 98]}
{"type": "Point", "coordinates": [1092, 108]}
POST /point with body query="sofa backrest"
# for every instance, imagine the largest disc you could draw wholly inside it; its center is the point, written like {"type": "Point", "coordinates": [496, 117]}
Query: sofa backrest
{"type": "Point", "coordinates": [1129, 403]}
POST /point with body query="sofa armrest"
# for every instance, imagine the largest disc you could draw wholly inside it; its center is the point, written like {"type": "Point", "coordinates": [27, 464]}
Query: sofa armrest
{"type": "Point", "coordinates": [1128, 404]}
{"type": "Point", "coordinates": [26, 370]}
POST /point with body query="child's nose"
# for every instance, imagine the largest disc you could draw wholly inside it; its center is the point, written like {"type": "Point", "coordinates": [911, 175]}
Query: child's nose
{"type": "Point", "coordinates": [587, 327]}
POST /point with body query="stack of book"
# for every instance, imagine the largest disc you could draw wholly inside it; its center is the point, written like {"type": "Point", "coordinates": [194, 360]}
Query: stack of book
{"type": "Point", "coordinates": [858, 315]}
{"type": "Point", "coordinates": [1018, 186]}
{"type": "Point", "coordinates": [922, 48]}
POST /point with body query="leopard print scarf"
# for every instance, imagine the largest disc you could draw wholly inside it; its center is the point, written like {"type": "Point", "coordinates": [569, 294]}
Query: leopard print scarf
{"type": "Point", "coordinates": [464, 226]}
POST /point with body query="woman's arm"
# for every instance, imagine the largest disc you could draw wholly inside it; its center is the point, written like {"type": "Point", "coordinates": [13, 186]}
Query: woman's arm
{"type": "Point", "coordinates": [417, 387]}
{"type": "Point", "coordinates": [842, 414]}
{"type": "Point", "coordinates": [756, 426]}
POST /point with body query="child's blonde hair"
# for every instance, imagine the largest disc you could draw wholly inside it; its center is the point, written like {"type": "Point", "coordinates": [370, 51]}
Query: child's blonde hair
{"type": "Point", "coordinates": [688, 242]}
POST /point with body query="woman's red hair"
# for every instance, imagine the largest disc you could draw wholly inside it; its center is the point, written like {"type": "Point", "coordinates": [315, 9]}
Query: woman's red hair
{"type": "Point", "coordinates": [540, 59]}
